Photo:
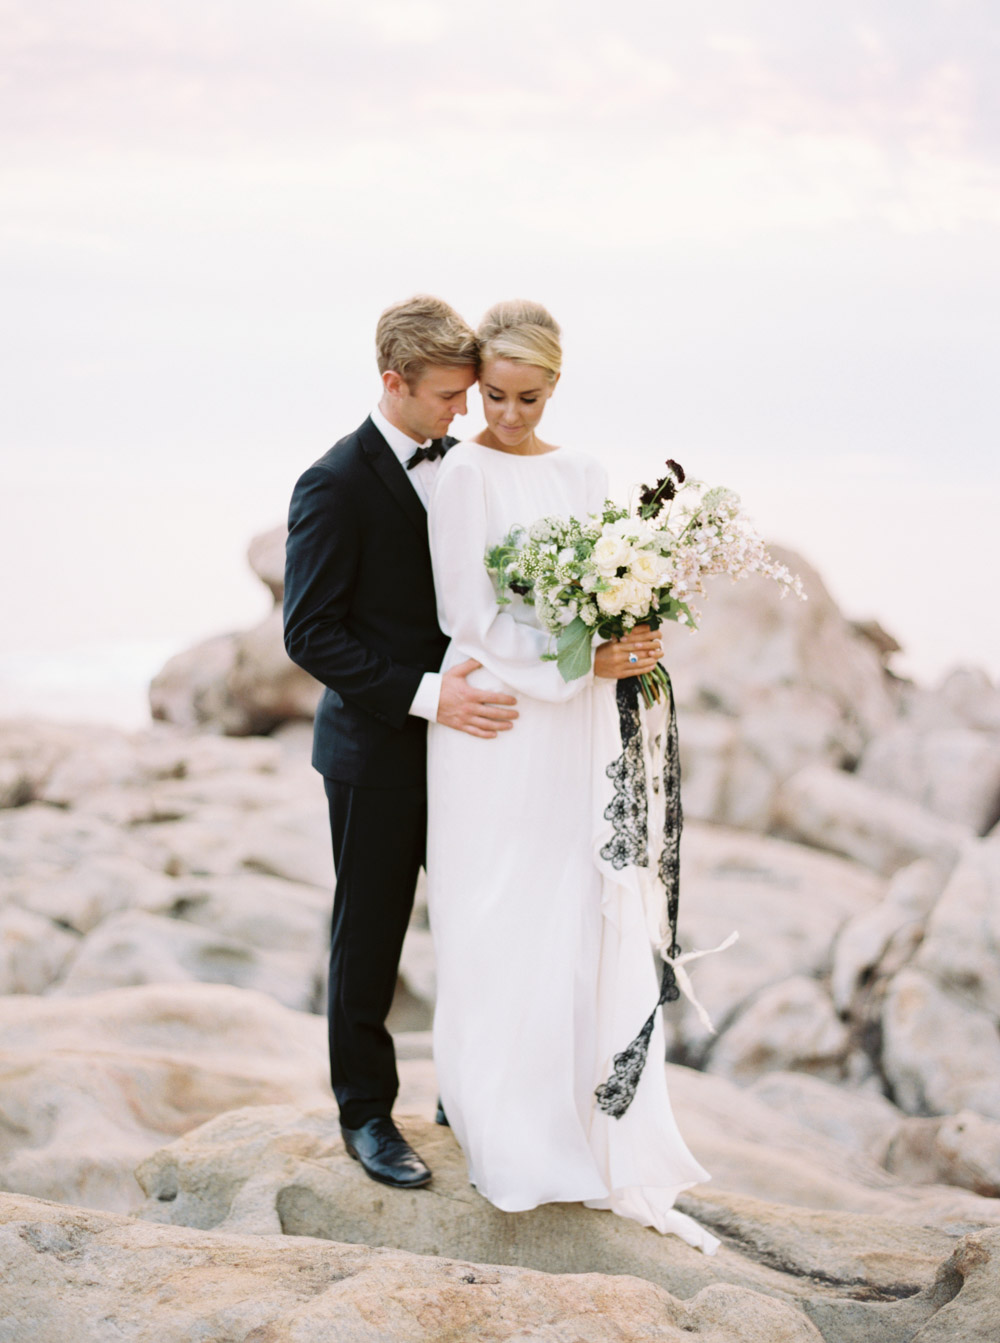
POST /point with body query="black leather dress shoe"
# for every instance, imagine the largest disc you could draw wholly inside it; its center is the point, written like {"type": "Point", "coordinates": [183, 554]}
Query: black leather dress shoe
{"type": "Point", "coordinates": [385, 1154]}
{"type": "Point", "coordinates": [440, 1117]}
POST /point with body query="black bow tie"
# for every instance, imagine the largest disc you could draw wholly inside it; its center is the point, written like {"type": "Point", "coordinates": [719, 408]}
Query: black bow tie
{"type": "Point", "coordinates": [427, 453]}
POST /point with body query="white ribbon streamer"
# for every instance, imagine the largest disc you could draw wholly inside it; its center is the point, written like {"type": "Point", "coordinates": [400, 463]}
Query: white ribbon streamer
{"type": "Point", "coordinates": [684, 979]}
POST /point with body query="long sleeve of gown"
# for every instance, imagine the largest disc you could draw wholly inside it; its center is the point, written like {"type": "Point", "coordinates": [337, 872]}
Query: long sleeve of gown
{"type": "Point", "coordinates": [467, 602]}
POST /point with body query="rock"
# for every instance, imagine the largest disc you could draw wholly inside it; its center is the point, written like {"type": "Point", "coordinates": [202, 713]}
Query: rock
{"type": "Point", "coordinates": [862, 1123]}
{"type": "Point", "coordinates": [962, 1149]}
{"type": "Point", "coordinates": [733, 766]}
{"type": "Point", "coordinates": [786, 901]}
{"type": "Point", "coordinates": [952, 772]}
{"type": "Point", "coordinates": [138, 948]}
{"type": "Point", "coordinates": [240, 684]}
{"type": "Point", "coordinates": [30, 749]}
{"type": "Point", "coordinates": [264, 1169]}
{"type": "Point", "coordinates": [836, 811]}
{"type": "Point", "coordinates": [758, 1148]}
{"type": "Point", "coordinates": [961, 948]}
{"type": "Point", "coordinates": [972, 697]}
{"type": "Point", "coordinates": [264, 683]}
{"type": "Point", "coordinates": [290, 840]}
{"type": "Point", "coordinates": [791, 1025]}
{"type": "Point", "coordinates": [266, 554]}
{"type": "Point", "coordinates": [767, 687]}
{"type": "Point", "coordinates": [93, 1087]}
{"type": "Point", "coordinates": [81, 899]}
{"type": "Point", "coordinates": [74, 1274]}
{"type": "Point", "coordinates": [882, 641]}
{"type": "Point", "coordinates": [752, 644]}
{"type": "Point", "coordinates": [189, 690]}
{"type": "Point", "coordinates": [33, 951]}
{"type": "Point", "coordinates": [939, 1054]}
{"type": "Point", "coordinates": [864, 940]}
{"type": "Point", "coordinates": [263, 912]}
{"type": "Point", "coordinates": [39, 843]}
{"type": "Point", "coordinates": [968, 1288]}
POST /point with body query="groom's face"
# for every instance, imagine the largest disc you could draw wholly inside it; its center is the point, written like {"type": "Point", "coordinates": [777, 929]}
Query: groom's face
{"type": "Point", "coordinates": [427, 409]}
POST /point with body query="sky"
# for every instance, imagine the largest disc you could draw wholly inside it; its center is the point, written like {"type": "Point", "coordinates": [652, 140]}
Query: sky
{"type": "Point", "coordinates": [768, 229]}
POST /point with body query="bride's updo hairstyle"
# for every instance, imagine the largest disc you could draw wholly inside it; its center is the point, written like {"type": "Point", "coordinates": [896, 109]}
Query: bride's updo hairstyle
{"type": "Point", "coordinates": [524, 332]}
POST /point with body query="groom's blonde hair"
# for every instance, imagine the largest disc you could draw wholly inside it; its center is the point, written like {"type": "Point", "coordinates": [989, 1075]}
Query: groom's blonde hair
{"type": "Point", "coordinates": [420, 333]}
{"type": "Point", "coordinates": [522, 331]}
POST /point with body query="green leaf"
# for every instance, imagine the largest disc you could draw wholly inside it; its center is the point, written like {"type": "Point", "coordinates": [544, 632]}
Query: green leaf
{"type": "Point", "coordinates": [573, 645]}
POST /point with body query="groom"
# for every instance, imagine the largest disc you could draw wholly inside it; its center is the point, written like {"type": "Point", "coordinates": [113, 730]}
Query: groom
{"type": "Point", "coordinates": [361, 617]}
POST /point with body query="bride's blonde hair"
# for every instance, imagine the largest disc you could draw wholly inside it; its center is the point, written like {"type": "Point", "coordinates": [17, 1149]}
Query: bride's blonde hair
{"type": "Point", "coordinates": [524, 332]}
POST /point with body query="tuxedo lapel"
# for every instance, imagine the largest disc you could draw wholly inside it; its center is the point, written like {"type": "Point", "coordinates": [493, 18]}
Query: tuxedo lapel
{"type": "Point", "coordinates": [392, 474]}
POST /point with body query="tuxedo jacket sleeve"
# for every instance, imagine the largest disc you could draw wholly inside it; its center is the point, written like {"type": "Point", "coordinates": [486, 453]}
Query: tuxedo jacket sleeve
{"type": "Point", "coordinates": [325, 554]}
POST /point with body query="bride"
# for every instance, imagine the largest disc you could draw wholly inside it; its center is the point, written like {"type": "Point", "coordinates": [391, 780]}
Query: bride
{"type": "Point", "coordinates": [544, 962]}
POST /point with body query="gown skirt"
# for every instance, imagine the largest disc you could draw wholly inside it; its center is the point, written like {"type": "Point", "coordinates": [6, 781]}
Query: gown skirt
{"type": "Point", "coordinates": [544, 963]}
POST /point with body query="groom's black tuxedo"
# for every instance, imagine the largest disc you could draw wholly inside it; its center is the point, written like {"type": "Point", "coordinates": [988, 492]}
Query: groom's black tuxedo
{"type": "Point", "coordinates": [360, 613]}
{"type": "Point", "coordinates": [360, 616]}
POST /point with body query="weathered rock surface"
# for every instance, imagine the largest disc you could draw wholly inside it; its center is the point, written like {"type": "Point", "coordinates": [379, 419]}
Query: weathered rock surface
{"type": "Point", "coordinates": [961, 947]}
{"type": "Point", "coordinates": [269, 1169]}
{"type": "Point", "coordinates": [91, 1087]}
{"type": "Point", "coordinates": [752, 643]}
{"type": "Point", "coordinates": [139, 948]}
{"type": "Point", "coordinates": [952, 772]}
{"type": "Point", "coordinates": [240, 683]}
{"type": "Point", "coordinates": [788, 1025]}
{"type": "Point", "coordinates": [787, 903]}
{"type": "Point", "coordinates": [33, 951]}
{"type": "Point", "coordinates": [767, 687]}
{"type": "Point", "coordinates": [73, 1274]}
{"type": "Point", "coordinates": [839, 812]}
{"type": "Point", "coordinates": [940, 1054]}
{"type": "Point", "coordinates": [896, 923]}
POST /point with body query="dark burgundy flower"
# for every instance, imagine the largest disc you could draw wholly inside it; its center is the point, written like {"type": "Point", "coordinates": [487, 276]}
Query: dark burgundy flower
{"type": "Point", "coordinates": [653, 497]}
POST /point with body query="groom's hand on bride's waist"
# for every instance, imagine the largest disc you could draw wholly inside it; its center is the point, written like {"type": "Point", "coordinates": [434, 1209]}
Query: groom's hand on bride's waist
{"type": "Point", "coordinates": [481, 713]}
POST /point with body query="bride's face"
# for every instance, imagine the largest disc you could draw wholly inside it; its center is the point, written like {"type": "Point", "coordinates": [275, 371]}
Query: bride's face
{"type": "Point", "coordinates": [514, 397]}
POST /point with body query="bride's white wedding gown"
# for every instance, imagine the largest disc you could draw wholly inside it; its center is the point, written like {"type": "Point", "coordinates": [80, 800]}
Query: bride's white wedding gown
{"type": "Point", "coordinates": [543, 954]}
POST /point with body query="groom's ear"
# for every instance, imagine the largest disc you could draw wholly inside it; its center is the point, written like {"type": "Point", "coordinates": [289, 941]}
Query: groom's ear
{"type": "Point", "coordinates": [394, 383]}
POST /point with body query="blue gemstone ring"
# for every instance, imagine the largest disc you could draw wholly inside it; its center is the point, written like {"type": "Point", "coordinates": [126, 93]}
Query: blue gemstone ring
{"type": "Point", "coordinates": [632, 657]}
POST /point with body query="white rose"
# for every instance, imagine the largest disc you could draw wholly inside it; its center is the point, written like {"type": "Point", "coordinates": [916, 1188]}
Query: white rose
{"type": "Point", "coordinates": [610, 554]}
{"type": "Point", "coordinates": [646, 567]}
{"type": "Point", "coordinates": [638, 597]}
{"type": "Point", "coordinates": [612, 602]}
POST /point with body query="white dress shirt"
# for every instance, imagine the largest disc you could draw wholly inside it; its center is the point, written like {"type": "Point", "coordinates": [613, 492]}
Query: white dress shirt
{"type": "Point", "coordinates": [425, 701]}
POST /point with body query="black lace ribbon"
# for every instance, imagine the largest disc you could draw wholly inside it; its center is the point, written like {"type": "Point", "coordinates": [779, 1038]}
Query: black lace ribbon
{"type": "Point", "coordinates": [628, 813]}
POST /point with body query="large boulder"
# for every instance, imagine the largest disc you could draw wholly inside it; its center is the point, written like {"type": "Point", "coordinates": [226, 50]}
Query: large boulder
{"type": "Point", "coordinates": [135, 947]}
{"type": "Point", "coordinates": [961, 947]}
{"type": "Point", "coordinates": [889, 931]}
{"type": "Point", "coordinates": [76, 1274]}
{"type": "Point", "coordinates": [766, 686]}
{"type": "Point", "coordinates": [837, 811]}
{"type": "Point", "coordinates": [94, 1086]}
{"type": "Point", "coordinates": [952, 772]}
{"type": "Point", "coordinates": [939, 1053]}
{"type": "Point", "coordinates": [752, 643]}
{"type": "Point", "coordinates": [264, 1170]}
{"type": "Point", "coordinates": [242, 683]}
{"type": "Point", "coordinates": [790, 1025]}
{"type": "Point", "coordinates": [787, 902]}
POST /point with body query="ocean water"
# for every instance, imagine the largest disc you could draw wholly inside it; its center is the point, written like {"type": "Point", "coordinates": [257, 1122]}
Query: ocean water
{"type": "Point", "coordinates": [101, 683]}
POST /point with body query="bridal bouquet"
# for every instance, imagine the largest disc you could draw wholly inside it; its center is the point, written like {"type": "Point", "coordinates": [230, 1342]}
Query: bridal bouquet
{"type": "Point", "coordinates": [604, 574]}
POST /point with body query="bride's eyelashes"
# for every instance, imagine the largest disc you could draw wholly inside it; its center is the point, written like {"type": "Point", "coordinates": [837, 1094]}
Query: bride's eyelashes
{"type": "Point", "coordinates": [525, 400]}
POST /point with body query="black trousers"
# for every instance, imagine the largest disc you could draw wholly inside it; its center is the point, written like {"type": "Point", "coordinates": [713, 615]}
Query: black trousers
{"type": "Point", "coordinates": [379, 839]}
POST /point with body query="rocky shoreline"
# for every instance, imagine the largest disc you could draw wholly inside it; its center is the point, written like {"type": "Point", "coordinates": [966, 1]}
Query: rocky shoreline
{"type": "Point", "coordinates": [164, 903]}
